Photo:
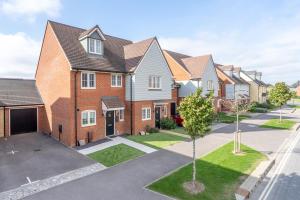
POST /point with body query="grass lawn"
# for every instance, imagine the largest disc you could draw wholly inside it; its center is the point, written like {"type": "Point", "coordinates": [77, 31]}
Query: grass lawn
{"type": "Point", "coordinates": [220, 171]}
{"type": "Point", "coordinates": [115, 154]}
{"type": "Point", "coordinates": [179, 129]}
{"type": "Point", "coordinates": [276, 124]}
{"type": "Point", "coordinates": [294, 106]}
{"type": "Point", "coordinates": [226, 118]}
{"type": "Point", "coordinates": [157, 140]}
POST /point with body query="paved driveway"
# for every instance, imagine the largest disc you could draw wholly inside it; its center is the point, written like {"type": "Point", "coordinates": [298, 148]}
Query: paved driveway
{"type": "Point", "coordinates": [125, 181]}
{"type": "Point", "coordinates": [37, 157]}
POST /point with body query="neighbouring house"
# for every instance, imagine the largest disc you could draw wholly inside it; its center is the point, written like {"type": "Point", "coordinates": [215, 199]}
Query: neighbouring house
{"type": "Point", "coordinates": [258, 89]}
{"type": "Point", "coordinates": [193, 72]}
{"type": "Point", "coordinates": [94, 85]}
{"type": "Point", "coordinates": [20, 107]}
{"type": "Point", "coordinates": [298, 91]}
{"type": "Point", "coordinates": [240, 88]}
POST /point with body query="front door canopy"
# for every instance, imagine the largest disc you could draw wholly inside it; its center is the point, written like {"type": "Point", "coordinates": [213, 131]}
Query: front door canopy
{"type": "Point", "coordinates": [112, 103]}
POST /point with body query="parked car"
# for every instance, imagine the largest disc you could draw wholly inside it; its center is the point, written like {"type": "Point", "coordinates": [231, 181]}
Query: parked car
{"type": "Point", "coordinates": [177, 119]}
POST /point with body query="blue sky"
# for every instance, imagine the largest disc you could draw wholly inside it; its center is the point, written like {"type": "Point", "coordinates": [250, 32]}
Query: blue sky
{"type": "Point", "coordinates": [261, 35]}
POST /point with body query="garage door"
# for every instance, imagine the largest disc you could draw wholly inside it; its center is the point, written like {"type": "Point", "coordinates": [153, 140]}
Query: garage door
{"type": "Point", "coordinates": [23, 121]}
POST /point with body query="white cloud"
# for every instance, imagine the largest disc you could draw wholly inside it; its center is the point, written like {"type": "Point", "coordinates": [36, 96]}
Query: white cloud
{"type": "Point", "coordinates": [19, 55]}
{"type": "Point", "coordinates": [275, 53]}
{"type": "Point", "coordinates": [30, 8]}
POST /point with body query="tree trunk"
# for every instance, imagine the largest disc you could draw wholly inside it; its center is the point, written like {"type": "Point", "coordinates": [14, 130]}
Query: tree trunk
{"type": "Point", "coordinates": [194, 162]}
{"type": "Point", "coordinates": [280, 114]}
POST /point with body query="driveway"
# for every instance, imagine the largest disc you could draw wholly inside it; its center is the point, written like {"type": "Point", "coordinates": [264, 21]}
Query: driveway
{"type": "Point", "coordinates": [37, 157]}
{"type": "Point", "coordinates": [125, 181]}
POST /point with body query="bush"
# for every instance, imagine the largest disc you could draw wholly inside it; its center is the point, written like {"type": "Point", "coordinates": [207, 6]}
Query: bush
{"type": "Point", "coordinates": [150, 129]}
{"type": "Point", "coordinates": [258, 110]}
{"type": "Point", "coordinates": [167, 123]}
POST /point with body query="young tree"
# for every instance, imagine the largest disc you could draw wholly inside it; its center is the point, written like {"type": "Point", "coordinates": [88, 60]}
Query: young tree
{"type": "Point", "coordinates": [197, 113]}
{"type": "Point", "coordinates": [279, 95]}
{"type": "Point", "coordinates": [293, 96]}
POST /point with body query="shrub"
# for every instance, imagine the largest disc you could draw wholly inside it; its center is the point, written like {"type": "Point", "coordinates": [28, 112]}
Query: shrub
{"type": "Point", "coordinates": [150, 129]}
{"type": "Point", "coordinates": [258, 110]}
{"type": "Point", "coordinates": [167, 123]}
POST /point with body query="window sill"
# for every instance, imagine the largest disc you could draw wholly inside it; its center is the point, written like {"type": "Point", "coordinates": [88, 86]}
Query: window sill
{"type": "Point", "coordinates": [146, 119]}
{"type": "Point", "coordinates": [154, 89]}
{"type": "Point", "coordinates": [116, 86]}
{"type": "Point", "coordinates": [88, 88]}
{"type": "Point", "coordinates": [87, 125]}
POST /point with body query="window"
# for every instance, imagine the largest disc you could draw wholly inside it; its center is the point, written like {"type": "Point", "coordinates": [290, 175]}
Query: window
{"type": "Point", "coordinates": [154, 82]}
{"type": "Point", "coordinates": [146, 113]}
{"type": "Point", "coordinates": [210, 85]}
{"type": "Point", "coordinates": [121, 115]}
{"type": "Point", "coordinates": [95, 46]}
{"type": "Point", "coordinates": [88, 118]}
{"type": "Point", "coordinates": [165, 111]}
{"type": "Point", "coordinates": [116, 80]}
{"type": "Point", "coordinates": [88, 80]}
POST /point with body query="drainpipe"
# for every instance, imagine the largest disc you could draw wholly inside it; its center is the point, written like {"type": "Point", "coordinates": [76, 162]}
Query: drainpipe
{"type": "Point", "coordinates": [75, 106]}
{"type": "Point", "coordinates": [131, 113]}
{"type": "Point", "coordinates": [4, 121]}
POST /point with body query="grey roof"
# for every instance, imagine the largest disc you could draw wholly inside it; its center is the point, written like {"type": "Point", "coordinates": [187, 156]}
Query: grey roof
{"type": "Point", "coordinates": [135, 52]}
{"type": "Point", "coordinates": [19, 92]}
{"type": "Point", "coordinates": [112, 60]}
{"type": "Point", "coordinates": [239, 80]}
{"type": "Point", "coordinates": [112, 102]}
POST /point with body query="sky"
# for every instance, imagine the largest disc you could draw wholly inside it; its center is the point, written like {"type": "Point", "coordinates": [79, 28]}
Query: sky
{"type": "Point", "coordinates": [262, 35]}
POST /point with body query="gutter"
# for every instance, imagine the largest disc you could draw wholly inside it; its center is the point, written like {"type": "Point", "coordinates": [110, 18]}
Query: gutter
{"type": "Point", "coordinates": [131, 113]}
{"type": "Point", "coordinates": [75, 107]}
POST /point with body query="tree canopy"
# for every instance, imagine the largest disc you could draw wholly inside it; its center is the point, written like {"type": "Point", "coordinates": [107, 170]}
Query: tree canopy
{"type": "Point", "coordinates": [280, 94]}
{"type": "Point", "coordinates": [197, 113]}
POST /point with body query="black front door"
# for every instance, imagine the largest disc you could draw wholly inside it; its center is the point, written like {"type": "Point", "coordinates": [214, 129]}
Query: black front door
{"type": "Point", "coordinates": [23, 121]}
{"type": "Point", "coordinates": [173, 109]}
{"type": "Point", "coordinates": [157, 117]}
{"type": "Point", "coordinates": [110, 123]}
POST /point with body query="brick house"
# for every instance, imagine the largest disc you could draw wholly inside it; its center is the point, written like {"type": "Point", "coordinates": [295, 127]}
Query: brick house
{"type": "Point", "coordinates": [95, 85]}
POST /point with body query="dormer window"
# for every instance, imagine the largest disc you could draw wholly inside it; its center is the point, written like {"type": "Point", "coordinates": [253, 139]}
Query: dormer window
{"type": "Point", "coordinates": [95, 46]}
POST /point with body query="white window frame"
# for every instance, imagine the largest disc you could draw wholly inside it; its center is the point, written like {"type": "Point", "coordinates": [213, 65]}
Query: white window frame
{"type": "Point", "coordinates": [210, 85]}
{"type": "Point", "coordinates": [121, 116]}
{"type": "Point", "coordinates": [115, 77]}
{"type": "Point", "coordinates": [152, 84]}
{"type": "Point", "coordinates": [147, 111]}
{"type": "Point", "coordinates": [88, 118]}
{"type": "Point", "coordinates": [165, 111]}
{"type": "Point", "coordinates": [88, 80]}
{"type": "Point", "coordinates": [94, 41]}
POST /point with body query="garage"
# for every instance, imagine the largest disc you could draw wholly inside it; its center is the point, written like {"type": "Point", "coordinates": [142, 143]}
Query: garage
{"type": "Point", "coordinates": [20, 103]}
{"type": "Point", "coordinates": [23, 120]}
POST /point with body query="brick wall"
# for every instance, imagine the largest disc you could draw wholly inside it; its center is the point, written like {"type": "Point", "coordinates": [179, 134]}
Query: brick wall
{"type": "Point", "coordinates": [90, 99]}
{"type": "Point", "coordinates": [1, 122]}
{"type": "Point", "coordinates": [53, 81]}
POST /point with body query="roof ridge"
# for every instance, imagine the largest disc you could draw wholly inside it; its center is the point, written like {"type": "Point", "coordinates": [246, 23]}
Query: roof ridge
{"type": "Point", "coordinates": [177, 53]}
{"type": "Point", "coordinates": [118, 37]}
{"type": "Point", "coordinates": [66, 25]}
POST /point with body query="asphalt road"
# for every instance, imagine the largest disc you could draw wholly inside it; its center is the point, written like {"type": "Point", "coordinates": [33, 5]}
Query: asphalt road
{"type": "Point", "coordinates": [125, 181]}
{"type": "Point", "coordinates": [284, 183]}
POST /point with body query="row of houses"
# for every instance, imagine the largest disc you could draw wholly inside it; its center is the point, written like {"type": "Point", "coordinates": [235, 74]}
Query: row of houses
{"type": "Point", "coordinates": [90, 85]}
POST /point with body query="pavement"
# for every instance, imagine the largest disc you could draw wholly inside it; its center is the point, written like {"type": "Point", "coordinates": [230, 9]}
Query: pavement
{"type": "Point", "coordinates": [283, 181]}
{"type": "Point", "coordinates": [115, 141]}
{"type": "Point", "coordinates": [31, 157]}
{"type": "Point", "coordinates": [125, 181]}
{"type": "Point", "coordinates": [264, 140]}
